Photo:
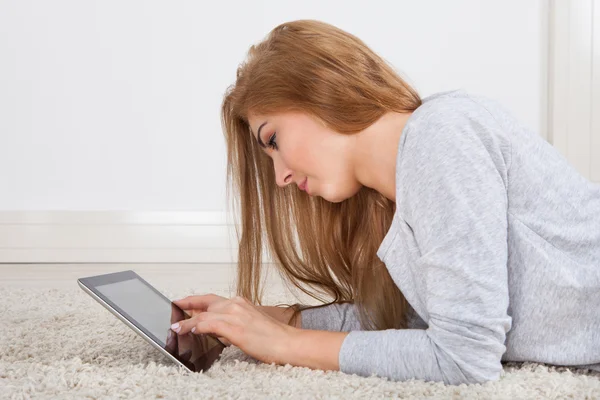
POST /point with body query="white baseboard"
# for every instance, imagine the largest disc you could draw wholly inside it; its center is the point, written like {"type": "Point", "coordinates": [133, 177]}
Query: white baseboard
{"type": "Point", "coordinates": [117, 236]}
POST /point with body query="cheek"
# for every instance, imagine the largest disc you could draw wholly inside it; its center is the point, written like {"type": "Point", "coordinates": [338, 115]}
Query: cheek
{"type": "Point", "coordinates": [298, 156]}
{"type": "Point", "coordinates": [311, 154]}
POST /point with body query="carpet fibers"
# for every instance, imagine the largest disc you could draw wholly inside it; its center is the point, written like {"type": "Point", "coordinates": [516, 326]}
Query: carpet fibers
{"type": "Point", "coordinates": [60, 343]}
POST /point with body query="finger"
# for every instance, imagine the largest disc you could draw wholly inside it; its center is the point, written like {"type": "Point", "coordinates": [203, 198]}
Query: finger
{"type": "Point", "coordinates": [186, 325]}
{"type": "Point", "coordinates": [218, 327]}
{"type": "Point", "coordinates": [198, 302]}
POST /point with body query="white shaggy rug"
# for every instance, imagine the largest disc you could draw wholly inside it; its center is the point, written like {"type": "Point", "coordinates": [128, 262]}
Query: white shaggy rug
{"type": "Point", "coordinates": [60, 343]}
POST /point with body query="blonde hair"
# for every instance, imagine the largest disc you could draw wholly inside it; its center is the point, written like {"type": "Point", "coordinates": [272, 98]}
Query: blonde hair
{"type": "Point", "coordinates": [316, 68]}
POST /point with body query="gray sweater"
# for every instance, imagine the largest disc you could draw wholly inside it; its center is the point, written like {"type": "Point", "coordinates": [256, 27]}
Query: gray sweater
{"type": "Point", "coordinates": [495, 244]}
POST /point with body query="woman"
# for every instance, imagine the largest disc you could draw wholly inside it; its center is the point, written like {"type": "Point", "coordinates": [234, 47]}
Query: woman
{"type": "Point", "coordinates": [449, 236]}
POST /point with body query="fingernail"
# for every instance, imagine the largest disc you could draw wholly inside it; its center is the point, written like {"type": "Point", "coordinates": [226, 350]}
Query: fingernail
{"type": "Point", "coordinates": [193, 329]}
{"type": "Point", "coordinates": [176, 327]}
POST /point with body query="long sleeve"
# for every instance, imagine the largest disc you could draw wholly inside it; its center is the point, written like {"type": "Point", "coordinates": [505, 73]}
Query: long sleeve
{"type": "Point", "coordinates": [451, 192]}
{"type": "Point", "coordinates": [343, 317]}
{"type": "Point", "coordinates": [339, 317]}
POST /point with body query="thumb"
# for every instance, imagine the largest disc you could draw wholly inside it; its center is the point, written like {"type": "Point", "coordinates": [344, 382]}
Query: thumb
{"type": "Point", "coordinates": [224, 341]}
{"type": "Point", "coordinates": [181, 303]}
{"type": "Point", "coordinates": [178, 304]}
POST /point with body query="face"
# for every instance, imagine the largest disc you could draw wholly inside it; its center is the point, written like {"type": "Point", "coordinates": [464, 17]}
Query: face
{"type": "Point", "coordinates": [301, 147]}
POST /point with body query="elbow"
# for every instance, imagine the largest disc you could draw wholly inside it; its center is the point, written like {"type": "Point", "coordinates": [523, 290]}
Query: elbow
{"type": "Point", "coordinates": [487, 368]}
{"type": "Point", "coordinates": [483, 363]}
{"type": "Point", "coordinates": [483, 375]}
{"type": "Point", "coordinates": [470, 365]}
{"type": "Point", "coordinates": [457, 372]}
{"type": "Point", "coordinates": [470, 355]}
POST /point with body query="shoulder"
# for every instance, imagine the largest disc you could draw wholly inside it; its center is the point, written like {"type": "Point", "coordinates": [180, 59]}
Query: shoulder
{"type": "Point", "coordinates": [450, 139]}
{"type": "Point", "coordinates": [447, 112]}
{"type": "Point", "coordinates": [450, 120]}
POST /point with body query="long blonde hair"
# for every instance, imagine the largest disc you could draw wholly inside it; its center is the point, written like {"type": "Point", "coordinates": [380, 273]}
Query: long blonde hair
{"type": "Point", "coordinates": [318, 246]}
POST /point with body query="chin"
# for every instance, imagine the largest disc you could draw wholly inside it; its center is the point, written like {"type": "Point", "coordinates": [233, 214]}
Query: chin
{"type": "Point", "coordinates": [333, 200]}
{"type": "Point", "coordinates": [339, 197]}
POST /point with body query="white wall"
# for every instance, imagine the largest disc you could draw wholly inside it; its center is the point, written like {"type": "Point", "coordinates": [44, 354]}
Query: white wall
{"type": "Point", "coordinates": [114, 105]}
{"type": "Point", "coordinates": [111, 147]}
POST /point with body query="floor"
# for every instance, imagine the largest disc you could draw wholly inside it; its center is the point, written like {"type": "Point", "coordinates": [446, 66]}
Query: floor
{"type": "Point", "coordinates": [77, 364]}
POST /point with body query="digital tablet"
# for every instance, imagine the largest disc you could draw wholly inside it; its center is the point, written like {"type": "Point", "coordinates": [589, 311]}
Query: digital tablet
{"type": "Point", "coordinates": [150, 314]}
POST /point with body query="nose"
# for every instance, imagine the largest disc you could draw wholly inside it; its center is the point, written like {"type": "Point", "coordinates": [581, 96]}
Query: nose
{"type": "Point", "coordinates": [283, 175]}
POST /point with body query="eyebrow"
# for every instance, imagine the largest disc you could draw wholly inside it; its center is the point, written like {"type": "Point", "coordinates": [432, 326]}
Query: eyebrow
{"type": "Point", "coordinates": [260, 142]}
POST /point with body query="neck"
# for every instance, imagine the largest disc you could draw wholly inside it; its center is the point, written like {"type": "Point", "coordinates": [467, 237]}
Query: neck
{"type": "Point", "coordinates": [375, 152]}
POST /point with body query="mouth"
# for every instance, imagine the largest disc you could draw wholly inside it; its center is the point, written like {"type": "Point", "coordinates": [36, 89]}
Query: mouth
{"type": "Point", "coordinates": [302, 186]}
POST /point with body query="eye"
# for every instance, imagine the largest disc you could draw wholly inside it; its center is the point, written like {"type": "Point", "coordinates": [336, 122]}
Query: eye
{"type": "Point", "coordinates": [272, 143]}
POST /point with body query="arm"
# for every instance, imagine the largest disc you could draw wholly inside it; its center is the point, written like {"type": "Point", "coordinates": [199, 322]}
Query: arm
{"type": "Point", "coordinates": [314, 345]}
{"type": "Point", "coordinates": [339, 317]}
{"type": "Point", "coordinates": [455, 200]}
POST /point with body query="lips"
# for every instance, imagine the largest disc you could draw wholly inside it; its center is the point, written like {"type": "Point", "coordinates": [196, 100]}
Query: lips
{"type": "Point", "coordinates": [302, 186]}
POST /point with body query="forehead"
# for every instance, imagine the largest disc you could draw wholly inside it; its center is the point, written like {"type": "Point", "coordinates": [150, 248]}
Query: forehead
{"type": "Point", "coordinates": [295, 117]}
{"type": "Point", "coordinates": [255, 118]}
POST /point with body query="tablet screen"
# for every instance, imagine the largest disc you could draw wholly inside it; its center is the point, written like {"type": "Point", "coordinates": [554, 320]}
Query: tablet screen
{"type": "Point", "coordinates": [153, 313]}
{"type": "Point", "coordinates": [148, 309]}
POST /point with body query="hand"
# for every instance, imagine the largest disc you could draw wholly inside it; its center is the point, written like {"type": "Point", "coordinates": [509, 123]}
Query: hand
{"type": "Point", "coordinates": [193, 311]}
{"type": "Point", "coordinates": [239, 322]}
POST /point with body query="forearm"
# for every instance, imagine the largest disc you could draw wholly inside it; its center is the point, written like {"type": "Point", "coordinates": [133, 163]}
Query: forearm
{"type": "Point", "coordinates": [315, 349]}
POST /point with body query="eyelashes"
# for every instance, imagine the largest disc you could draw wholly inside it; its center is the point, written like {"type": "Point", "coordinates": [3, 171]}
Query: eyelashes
{"type": "Point", "coordinates": [272, 143]}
